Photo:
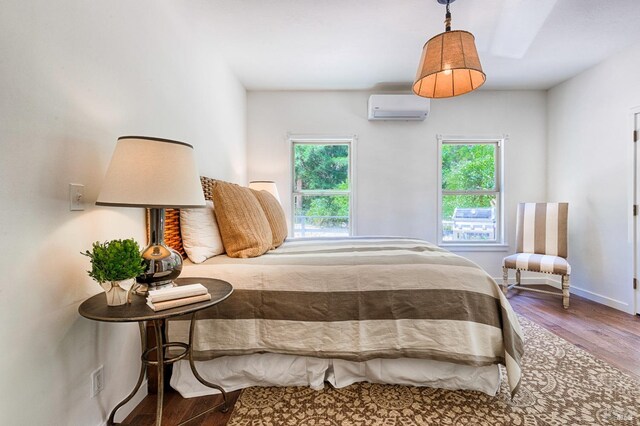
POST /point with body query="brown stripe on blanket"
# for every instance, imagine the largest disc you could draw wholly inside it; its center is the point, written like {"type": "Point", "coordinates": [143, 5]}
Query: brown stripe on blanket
{"type": "Point", "coordinates": [432, 304]}
{"type": "Point", "coordinates": [513, 343]}
{"type": "Point", "coordinates": [433, 354]}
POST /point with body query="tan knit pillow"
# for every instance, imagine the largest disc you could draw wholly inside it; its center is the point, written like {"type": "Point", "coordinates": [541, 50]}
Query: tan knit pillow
{"type": "Point", "coordinates": [243, 225]}
{"type": "Point", "coordinates": [275, 215]}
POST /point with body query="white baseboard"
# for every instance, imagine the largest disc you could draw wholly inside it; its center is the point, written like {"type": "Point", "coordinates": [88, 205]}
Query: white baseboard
{"type": "Point", "coordinates": [554, 282]}
{"type": "Point", "coordinates": [596, 297]}
{"type": "Point", "coordinates": [127, 408]}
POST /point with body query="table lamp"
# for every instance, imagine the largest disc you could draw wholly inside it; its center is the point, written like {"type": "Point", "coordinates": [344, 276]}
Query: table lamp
{"type": "Point", "coordinates": [265, 185]}
{"type": "Point", "coordinates": [157, 174]}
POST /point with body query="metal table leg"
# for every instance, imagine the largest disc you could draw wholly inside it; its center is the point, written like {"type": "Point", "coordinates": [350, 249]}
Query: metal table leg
{"type": "Point", "coordinates": [143, 371]}
{"type": "Point", "coordinates": [224, 406]}
{"type": "Point", "coordinates": [157, 325]}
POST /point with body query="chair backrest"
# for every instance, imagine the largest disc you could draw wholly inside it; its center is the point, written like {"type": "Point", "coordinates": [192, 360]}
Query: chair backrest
{"type": "Point", "coordinates": [542, 228]}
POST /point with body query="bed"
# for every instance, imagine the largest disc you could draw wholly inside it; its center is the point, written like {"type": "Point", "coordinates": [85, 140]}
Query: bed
{"type": "Point", "coordinates": [341, 310]}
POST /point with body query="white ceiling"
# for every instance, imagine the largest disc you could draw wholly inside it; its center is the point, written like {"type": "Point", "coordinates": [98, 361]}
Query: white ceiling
{"type": "Point", "coordinates": [365, 44]}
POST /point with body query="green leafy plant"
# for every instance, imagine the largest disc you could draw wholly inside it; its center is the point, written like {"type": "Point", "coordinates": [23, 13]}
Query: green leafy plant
{"type": "Point", "coordinates": [115, 260]}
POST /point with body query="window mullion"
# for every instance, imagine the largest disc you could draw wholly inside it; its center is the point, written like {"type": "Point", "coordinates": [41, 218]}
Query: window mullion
{"type": "Point", "coordinates": [320, 193]}
{"type": "Point", "coordinates": [461, 192]}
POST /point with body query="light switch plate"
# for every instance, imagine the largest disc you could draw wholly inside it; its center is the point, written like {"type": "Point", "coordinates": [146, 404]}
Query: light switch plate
{"type": "Point", "coordinates": [76, 197]}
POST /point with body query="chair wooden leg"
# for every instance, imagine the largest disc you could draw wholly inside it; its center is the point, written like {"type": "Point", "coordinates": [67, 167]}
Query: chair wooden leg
{"type": "Point", "coordinates": [517, 277]}
{"type": "Point", "coordinates": [565, 291]}
{"type": "Point", "coordinates": [505, 280]}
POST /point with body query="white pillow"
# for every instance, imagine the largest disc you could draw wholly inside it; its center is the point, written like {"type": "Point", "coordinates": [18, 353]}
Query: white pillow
{"type": "Point", "coordinates": [200, 234]}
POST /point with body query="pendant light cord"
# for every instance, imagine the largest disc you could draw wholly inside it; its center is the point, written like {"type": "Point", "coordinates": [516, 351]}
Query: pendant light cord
{"type": "Point", "coordinates": [447, 18]}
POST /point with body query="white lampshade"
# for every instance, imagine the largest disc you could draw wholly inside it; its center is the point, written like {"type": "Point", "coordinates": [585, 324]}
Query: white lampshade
{"type": "Point", "coordinates": [153, 173]}
{"type": "Point", "coordinates": [265, 185]}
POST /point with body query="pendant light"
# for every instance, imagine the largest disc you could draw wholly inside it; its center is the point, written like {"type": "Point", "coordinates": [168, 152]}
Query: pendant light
{"type": "Point", "coordinates": [449, 65]}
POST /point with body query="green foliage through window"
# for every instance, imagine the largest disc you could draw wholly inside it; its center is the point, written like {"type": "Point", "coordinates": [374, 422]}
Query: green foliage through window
{"type": "Point", "coordinates": [467, 168]}
{"type": "Point", "coordinates": [321, 166]}
{"type": "Point", "coordinates": [321, 180]}
{"type": "Point", "coordinates": [470, 191]}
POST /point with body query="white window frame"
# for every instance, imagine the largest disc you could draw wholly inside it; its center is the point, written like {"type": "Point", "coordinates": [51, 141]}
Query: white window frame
{"type": "Point", "coordinates": [349, 140]}
{"type": "Point", "coordinates": [499, 243]}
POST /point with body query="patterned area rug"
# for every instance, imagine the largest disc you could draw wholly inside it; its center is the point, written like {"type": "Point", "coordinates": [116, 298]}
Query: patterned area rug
{"type": "Point", "coordinates": [562, 385]}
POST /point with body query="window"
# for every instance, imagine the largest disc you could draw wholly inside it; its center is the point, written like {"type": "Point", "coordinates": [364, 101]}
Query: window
{"type": "Point", "coordinates": [322, 187]}
{"type": "Point", "coordinates": [470, 196]}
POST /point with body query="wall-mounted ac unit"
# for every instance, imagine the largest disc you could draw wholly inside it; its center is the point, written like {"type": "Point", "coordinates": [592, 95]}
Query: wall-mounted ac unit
{"type": "Point", "coordinates": [398, 107]}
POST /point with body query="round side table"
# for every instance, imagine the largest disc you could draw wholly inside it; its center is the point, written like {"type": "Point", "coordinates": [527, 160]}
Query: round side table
{"type": "Point", "coordinates": [95, 308]}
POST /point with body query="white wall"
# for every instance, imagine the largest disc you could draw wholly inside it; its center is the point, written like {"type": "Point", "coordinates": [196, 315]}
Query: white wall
{"type": "Point", "coordinates": [396, 182]}
{"type": "Point", "coordinates": [75, 75]}
{"type": "Point", "coordinates": [590, 166]}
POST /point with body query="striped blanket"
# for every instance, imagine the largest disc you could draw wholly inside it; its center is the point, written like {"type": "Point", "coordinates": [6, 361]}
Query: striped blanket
{"type": "Point", "coordinates": [358, 298]}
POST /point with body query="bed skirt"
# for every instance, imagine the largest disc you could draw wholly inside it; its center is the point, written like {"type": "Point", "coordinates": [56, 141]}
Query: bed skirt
{"type": "Point", "coordinates": [238, 372]}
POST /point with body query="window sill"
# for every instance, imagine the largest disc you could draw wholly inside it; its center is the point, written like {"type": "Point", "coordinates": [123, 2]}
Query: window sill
{"type": "Point", "coordinates": [461, 247]}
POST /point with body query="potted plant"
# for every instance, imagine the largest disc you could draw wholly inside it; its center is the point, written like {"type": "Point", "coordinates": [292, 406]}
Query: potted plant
{"type": "Point", "coordinates": [115, 265]}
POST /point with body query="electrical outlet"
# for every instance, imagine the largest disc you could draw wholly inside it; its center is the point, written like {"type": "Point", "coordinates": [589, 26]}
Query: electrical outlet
{"type": "Point", "coordinates": [76, 197]}
{"type": "Point", "coordinates": [97, 381]}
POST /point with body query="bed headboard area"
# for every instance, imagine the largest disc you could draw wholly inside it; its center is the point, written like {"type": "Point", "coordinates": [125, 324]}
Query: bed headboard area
{"type": "Point", "coordinates": [172, 236]}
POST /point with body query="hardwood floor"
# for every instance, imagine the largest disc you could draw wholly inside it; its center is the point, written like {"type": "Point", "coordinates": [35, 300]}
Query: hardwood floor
{"type": "Point", "coordinates": [177, 409]}
{"type": "Point", "coordinates": [608, 334]}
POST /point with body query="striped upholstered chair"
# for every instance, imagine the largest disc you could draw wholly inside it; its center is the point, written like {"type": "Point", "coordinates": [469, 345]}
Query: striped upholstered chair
{"type": "Point", "coordinates": [541, 245]}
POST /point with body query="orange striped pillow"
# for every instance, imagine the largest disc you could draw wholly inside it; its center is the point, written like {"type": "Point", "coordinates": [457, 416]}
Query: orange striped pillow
{"type": "Point", "coordinates": [243, 225]}
{"type": "Point", "coordinates": [275, 216]}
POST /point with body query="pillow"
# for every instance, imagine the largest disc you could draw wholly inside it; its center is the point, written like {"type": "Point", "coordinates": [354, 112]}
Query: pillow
{"type": "Point", "coordinates": [200, 234]}
{"type": "Point", "coordinates": [275, 216]}
{"type": "Point", "coordinates": [243, 225]}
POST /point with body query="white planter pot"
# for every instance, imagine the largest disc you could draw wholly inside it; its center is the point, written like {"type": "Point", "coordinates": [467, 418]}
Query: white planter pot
{"type": "Point", "coordinates": [117, 292]}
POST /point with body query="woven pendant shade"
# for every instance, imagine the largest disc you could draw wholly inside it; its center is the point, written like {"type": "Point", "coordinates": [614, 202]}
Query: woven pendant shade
{"type": "Point", "coordinates": [449, 66]}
